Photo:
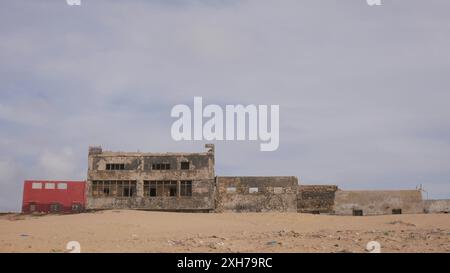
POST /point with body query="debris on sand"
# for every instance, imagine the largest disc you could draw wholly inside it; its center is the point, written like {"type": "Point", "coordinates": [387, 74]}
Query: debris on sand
{"type": "Point", "coordinates": [399, 222]}
{"type": "Point", "coordinates": [273, 243]}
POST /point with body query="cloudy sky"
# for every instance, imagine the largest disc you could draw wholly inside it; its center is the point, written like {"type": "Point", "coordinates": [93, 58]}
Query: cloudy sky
{"type": "Point", "coordinates": [364, 92]}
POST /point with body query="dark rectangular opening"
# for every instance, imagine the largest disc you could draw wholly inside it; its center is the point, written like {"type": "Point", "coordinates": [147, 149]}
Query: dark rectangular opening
{"type": "Point", "coordinates": [357, 212]}
{"type": "Point", "coordinates": [117, 188]}
{"type": "Point", "coordinates": [185, 165]}
{"type": "Point", "coordinates": [76, 207]}
{"type": "Point", "coordinates": [396, 211]}
{"type": "Point", "coordinates": [32, 207]}
{"type": "Point", "coordinates": [160, 188]}
{"type": "Point", "coordinates": [153, 191]}
{"type": "Point", "coordinates": [115, 167]}
{"type": "Point", "coordinates": [55, 208]}
{"type": "Point", "coordinates": [186, 188]}
{"type": "Point", "coordinates": [161, 166]}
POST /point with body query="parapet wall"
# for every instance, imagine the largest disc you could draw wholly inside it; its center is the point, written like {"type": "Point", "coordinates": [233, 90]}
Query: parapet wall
{"type": "Point", "coordinates": [437, 206]}
{"type": "Point", "coordinates": [256, 194]}
{"type": "Point", "coordinates": [378, 202]}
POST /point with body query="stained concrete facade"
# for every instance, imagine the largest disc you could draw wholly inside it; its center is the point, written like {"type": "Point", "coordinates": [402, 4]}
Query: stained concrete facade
{"type": "Point", "coordinates": [256, 193]}
{"type": "Point", "coordinates": [378, 202]}
{"type": "Point", "coordinates": [437, 206]}
{"type": "Point", "coordinates": [187, 182]}
{"type": "Point", "coordinates": [152, 181]}
{"type": "Point", "coordinates": [316, 198]}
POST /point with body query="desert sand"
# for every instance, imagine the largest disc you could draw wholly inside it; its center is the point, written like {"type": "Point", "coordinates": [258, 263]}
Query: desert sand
{"type": "Point", "coordinates": [143, 231]}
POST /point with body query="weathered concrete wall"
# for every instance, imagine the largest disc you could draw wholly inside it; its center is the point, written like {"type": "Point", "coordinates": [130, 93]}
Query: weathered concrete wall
{"type": "Point", "coordinates": [202, 199]}
{"type": "Point", "coordinates": [316, 198]}
{"type": "Point", "coordinates": [378, 202]}
{"type": "Point", "coordinates": [138, 169]}
{"type": "Point", "coordinates": [239, 194]}
{"type": "Point", "coordinates": [437, 206]}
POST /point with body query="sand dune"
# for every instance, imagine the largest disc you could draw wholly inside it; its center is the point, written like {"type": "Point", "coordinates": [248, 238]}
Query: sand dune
{"type": "Point", "coordinates": [142, 231]}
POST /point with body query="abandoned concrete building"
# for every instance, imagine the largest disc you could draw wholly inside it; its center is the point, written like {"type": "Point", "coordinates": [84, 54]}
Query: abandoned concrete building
{"type": "Point", "coordinates": [154, 181]}
{"type": "Point", "coordinates": [187, 182]}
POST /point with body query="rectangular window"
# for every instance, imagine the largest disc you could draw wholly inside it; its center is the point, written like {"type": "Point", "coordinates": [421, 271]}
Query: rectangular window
{"type": "Point", "coordinates": [161, 166]}
{"type": "Point", "coordinates": [50, 186]}
{"type": "Point", "coordinates": [185, 188]}
{"type": "Point", "coordinates": [115, 167]}
{"type": "Point", "coordinates": [278, 190]}
{"type": "Point", "coordinates": [185, 165]}
{"type": "Point", "coordinates": [94, 191]}
{"type": "Point", "coordinates": [252, 190]}
{"type": "Point", "coordinates": [55, 207]}
{"type": "Point", "coordinates": [128, 189]}
{"type": "Point", "coordinates": [36, 185]}
{"type": "Point", "coordinates": [76, 207]}
{"type": "Point", "coordinates": [113, 188]}
{"type": "Point", "coordinates": [62, 186]}
{"type": "Point", "coordinates": [106, 188]}
{"type": "Point", "coordinates": [170, 188]}
{"type": "Point", "coordinates": [160, 188]}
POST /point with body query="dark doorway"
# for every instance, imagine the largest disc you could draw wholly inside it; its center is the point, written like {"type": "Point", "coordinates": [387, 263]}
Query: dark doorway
{"type": "Point", "coordinates": [396, 211]}
{"type": "Point", "coordinates": [357, 212]}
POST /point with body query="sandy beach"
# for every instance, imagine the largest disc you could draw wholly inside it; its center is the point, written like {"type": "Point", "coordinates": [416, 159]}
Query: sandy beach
{"type": "Point", "coordinates": [144, 231]}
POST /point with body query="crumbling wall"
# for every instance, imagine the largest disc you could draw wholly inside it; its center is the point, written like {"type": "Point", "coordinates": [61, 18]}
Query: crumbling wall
{"type": "Point", "coordinates": [138, 169]}
{"type": "Point", "coordinates": [202, 199]}
{"type": "Point", "coordinates": [437, 206]}
{"type": "Point", "coordinates": [316, 198]}
{"type": "Point", "coordinates": [378, 202]}
{"type": "Point", "coordinates": [256, 194]}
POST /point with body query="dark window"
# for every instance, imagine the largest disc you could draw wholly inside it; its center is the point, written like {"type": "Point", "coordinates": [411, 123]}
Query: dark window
{"type": "Point", "coordinates": [113, 188]}
{"type": "Point", "coordinates": [357, 212]}
{"type": "Point", "coordinates": [115, 167]}
{"type": "Point", "coordinates": [397, 211]}
{"type": "Point", "coordinates": [153, 191]}
{"type": "Point", "coordinates": [76, 207]}
{"type": "Point", "coordinates": [160, 188]}
{"type": "Point", "coordinates": [32, 207]}
{"type": "Point", "coordinates": [185, 165]}
{"type": "Point", "coordinates": [161, 166]}
{"type": "Point", "coordinates": [55, 208]}
{"type": "Point", "coordinates": [186, 188]}
{"type": "Point", "coordinates": [128, 189]}
{"type": "Point", "coordinates": [150, 188]}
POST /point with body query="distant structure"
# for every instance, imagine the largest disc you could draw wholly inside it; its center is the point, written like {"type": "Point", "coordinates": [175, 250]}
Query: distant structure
{"type": "Point", "coordinates": [53, 196]}
{"type": "Point", "coordinates": [187, 182]}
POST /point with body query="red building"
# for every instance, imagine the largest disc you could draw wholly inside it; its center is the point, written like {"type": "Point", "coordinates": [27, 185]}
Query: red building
{"type": "Point", "coordinates": [53, 196]}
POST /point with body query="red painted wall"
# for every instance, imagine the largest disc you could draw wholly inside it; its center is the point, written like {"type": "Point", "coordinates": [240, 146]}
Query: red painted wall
{"type": "Point", "coordinates": [53, 196]}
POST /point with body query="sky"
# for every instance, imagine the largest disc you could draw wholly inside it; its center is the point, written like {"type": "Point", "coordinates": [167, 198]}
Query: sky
{"type": "Point", "coordinates": [363, 90]}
